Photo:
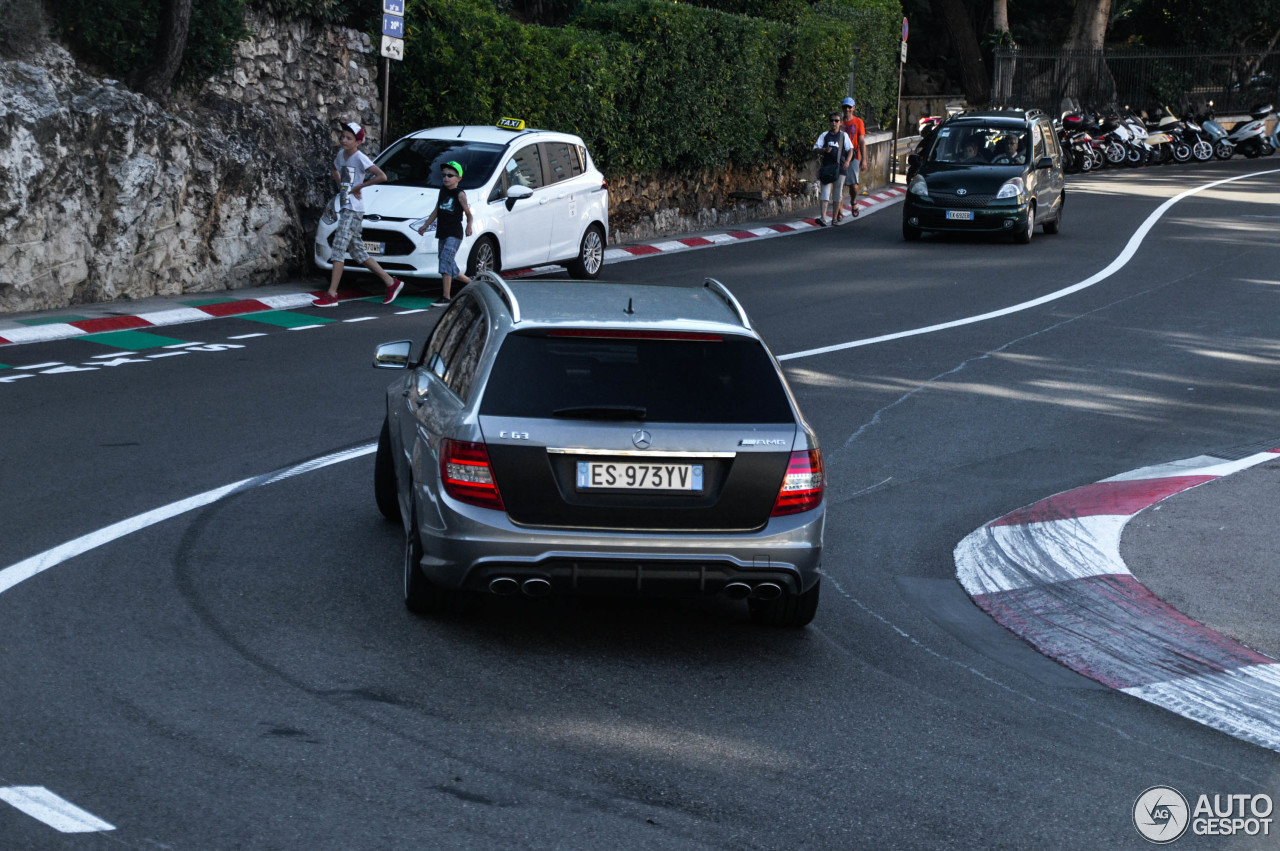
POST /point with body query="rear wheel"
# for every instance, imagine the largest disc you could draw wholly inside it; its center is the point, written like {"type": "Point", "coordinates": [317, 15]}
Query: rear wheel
{"type": "Point", "coordinates": [421, 595]}
{"type": "Point", "coordinates": [484, 257]}
{"type": "Point", "coordinates": [384, 476]}
{"type": "Point", "coordinates": [787, 610]}
{"type": "Point", "coordinates": [590, 257]}
{"type": "Point", "coordinates": [1056, 225]}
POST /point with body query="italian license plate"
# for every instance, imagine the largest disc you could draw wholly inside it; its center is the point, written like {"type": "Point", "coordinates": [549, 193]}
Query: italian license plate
{"type": "Point", "coordinates": [375, 247]}
{"type": "Point", "coordinates": [628, 475]}
{"type": "Point", "coordinates": [955, 215]}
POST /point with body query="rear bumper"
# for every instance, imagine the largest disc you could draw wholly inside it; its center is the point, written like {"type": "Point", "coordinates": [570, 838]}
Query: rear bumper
{"type": "Point", "coordinates": [466, 546]}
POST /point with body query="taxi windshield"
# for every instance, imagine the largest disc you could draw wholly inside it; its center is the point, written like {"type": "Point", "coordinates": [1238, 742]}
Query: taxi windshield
{"type": "Point", "coordinates": [416, 162]}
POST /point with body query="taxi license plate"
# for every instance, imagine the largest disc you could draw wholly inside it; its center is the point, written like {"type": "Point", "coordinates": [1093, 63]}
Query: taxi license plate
{"type": "Point", "coordinates": [627, 475]}
{"type": "Point", "coordinates": [375, 247]}
{"type": "Point", "coordinates": [960, 215]}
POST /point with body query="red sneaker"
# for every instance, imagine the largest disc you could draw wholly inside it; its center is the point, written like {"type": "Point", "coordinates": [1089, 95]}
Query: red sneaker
{"type": "Point", "coordinates": [325, 300]}
{"type": "Point", "coordinates": [394, 290]}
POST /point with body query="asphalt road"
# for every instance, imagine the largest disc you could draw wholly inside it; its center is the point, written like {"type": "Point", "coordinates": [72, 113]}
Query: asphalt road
{"type": "Point", "coordinates": [244, 675]}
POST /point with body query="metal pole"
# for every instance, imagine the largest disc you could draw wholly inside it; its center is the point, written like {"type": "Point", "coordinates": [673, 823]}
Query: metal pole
{"type": "Point", "coordinates": [897, 122]}
{"type": "Point", "coordinates": [386, 102]}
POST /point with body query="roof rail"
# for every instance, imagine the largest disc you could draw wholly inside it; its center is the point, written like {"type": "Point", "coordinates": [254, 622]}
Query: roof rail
{"type": "Point", "coordinates": [723, 291]}
{"type": "Point", "coordinates": [504, 292]}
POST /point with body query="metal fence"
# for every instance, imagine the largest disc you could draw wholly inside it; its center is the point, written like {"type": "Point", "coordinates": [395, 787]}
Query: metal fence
{"type": "Point", "coordinates": [1141, 79]}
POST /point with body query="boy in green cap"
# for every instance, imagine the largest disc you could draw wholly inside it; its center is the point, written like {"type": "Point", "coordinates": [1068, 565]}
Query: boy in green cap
{"type": "Point", "coordinates": [451, 205]}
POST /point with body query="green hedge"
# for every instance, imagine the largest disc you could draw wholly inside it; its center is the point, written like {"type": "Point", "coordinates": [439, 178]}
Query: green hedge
{"type": "Point", "coordinates": [650, 84]}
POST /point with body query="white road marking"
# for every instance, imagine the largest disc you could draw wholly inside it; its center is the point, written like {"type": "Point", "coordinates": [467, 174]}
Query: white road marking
{"type": "Point", "coordinates": [414, 310]}
{"type": "Point", "coordinates": [9, 379]}
{"type": "Point", "coordinates": [27, 568]}
{"type": "Point", "coordinates": [55, 811]}
{"type": "Point", "coordinates": [248, 336]}
{"type": "Point", "coordinates": [1131, 248]}
{"type": "Point", "coordinates": [361, 319]}
{"type": "Point", "coordinates": [40, 365]}
{"type": "Point", "coordinates": [304, 328]}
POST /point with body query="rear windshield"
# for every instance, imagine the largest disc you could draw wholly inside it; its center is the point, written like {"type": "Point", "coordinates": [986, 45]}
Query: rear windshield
{"type": "Point", "coordinates": [416, 162]}
{"type": "Point", "coordinates": [731, 380]}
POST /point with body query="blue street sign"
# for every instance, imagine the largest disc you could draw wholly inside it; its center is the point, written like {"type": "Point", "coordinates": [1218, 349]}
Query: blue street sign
{"type": "Point", "coordinates": [393, 25]}
{"type": "Point", "coordinates": [393, 7]}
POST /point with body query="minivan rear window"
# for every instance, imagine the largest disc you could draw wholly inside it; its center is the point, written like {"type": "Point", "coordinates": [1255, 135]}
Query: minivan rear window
{"type": "Point", "coordinates": [727, 380]}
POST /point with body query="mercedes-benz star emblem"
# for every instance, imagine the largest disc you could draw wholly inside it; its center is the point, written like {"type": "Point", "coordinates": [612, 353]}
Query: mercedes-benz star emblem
{"type": "Point", "coordinates": [641, 439]}
{"type": "Point", "coordinates": [962, 191]}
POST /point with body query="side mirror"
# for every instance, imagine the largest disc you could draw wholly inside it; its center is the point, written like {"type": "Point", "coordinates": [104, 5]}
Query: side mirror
{"type": "Point", "coordinates": [1044, 162]}
{"type": "Point", "coordinates": [392, 355]}
{"type": "Point", "coordinates": [516, 193]}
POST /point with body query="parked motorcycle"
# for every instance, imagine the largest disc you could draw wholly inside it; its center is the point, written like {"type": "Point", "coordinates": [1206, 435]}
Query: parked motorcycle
{"type": "Point", "coordinates": [1250, 137]}
{"type": "Point", "coordinates": [1223, 147]}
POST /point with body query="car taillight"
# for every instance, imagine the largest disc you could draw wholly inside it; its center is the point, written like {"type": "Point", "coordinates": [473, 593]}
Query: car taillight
{"type": "Point", "coordinates": [467, 475]}
{"type": "Point", "coordinates": [802, 486]}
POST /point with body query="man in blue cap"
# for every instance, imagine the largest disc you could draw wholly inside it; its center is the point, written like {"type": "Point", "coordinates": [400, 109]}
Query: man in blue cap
{"type": "Point", "coordinates": [853, 127]}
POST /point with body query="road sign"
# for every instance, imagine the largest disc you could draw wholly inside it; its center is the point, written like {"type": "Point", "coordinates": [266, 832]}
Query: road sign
{"type": "Point", "coordinates": [393, 25]}
{"type": "Point", "coordinates": [904, 51]}
{"type": "Point", "coordinates": [392, 48]}
{"type": "Point", "coordinates": [904, 27]}
{"type": "Point", "coordinates": [393, 7]}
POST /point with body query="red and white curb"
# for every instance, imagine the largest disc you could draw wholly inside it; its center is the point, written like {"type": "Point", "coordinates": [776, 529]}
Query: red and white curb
{"type": "Point", "coordinates": [290, 301]}
{"type": "Point", "coordinates": [1052, 573]}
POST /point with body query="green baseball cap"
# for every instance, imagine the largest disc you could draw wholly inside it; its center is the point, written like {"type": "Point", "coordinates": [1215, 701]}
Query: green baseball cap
{"type": "Point", "coordinates": [453, 164]}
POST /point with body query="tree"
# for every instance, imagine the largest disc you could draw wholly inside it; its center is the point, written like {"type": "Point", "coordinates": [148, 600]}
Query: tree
{"type": "Point", "coordinates": [1089, 24]}
{"type": "Point", "coordinates": [156, 80]}
{"type": "Point", "coordinates": [973, 71]}
{"type": "Point", "coordinates": [1000, 16]}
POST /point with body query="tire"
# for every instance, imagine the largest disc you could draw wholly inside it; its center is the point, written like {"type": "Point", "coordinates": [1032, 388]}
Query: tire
{"type": "Point", "coordinates": [790, 610]}
{"type": "Point", "coordinates": [1115, 153]}
{"type": "Point", "coordinates": [385, 490]}
{"type": "Point", "coordinates": [421, 595]}
{"type": "Point", "coordinates": [911, 234]}
{"type": "Point", "coordinates": [1267, 150]}
{"type": "Point", "coordinates": [1224, 150]}
{"type": "Point", "coordinates": [1202, 151]}
{"type": "Point", "coordinates": [1023, 236]}
{"type": "Point", "coordinates": [1134, 156]}
{"type": "Point", "coordinates": [590, 260]}
{"type": "Point", "coordinates": [484, 257]}
{"type": "Point", "coordinates": [1086, 161]}
{"type": "Point", "coordinates": [1181, 152]}
{"type": "Point", "coordinates": [1056, 225]}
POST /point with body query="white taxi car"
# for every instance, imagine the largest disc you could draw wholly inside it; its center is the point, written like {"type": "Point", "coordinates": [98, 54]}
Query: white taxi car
{"type": "Point", "coordinates": [536, 197]}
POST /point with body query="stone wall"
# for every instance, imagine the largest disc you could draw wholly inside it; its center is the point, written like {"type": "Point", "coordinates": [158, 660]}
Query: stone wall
{"type": "Point", "coordinates": [105, 194]}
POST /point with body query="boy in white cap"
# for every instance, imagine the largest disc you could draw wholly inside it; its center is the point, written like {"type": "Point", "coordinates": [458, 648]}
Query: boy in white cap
{"type": "Point", "coordinates": [856, 131]}
{"type": "Point", "coordinates": [352, 171]}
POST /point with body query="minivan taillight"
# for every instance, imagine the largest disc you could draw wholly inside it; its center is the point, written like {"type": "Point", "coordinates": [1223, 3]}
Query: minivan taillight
{"type": "Point", "coordinates": [466, 474]}
{"type": "Point", "coordinates": [802, 485]}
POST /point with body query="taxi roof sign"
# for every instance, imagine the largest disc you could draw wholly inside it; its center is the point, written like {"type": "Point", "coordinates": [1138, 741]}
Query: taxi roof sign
{"type": "Point", "coordinates": [511, 123]}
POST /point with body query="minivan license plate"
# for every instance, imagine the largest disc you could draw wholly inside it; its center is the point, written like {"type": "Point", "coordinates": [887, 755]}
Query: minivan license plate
{"type": "Point", "coordinates": [375, 247]}
{"type": "Point", "coordinates": [961, 215]}
{"type": "Point", "coordinates": [628, 475]}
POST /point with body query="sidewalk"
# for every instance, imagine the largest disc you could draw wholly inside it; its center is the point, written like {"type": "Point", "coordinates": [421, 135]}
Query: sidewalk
{"type": "Point", "coordinates": [79, 320]}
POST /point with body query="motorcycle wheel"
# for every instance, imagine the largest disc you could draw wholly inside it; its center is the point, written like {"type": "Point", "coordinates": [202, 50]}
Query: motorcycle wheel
{"type": "Point", "coordinates": [1267, 150]}
{"type": "Point", "coordinates": [1181, 151]}
{"type": "Point", "coordinates": [1224, 150]}
{"type": "Point", "coordinates": [1086, 161]}
{"type": "Point", "coordinates": [1115, 153]}
{"type": "Point", "coordinates": [1135, 156]}
{"type": "Point", "coordinates": [1202, 151]}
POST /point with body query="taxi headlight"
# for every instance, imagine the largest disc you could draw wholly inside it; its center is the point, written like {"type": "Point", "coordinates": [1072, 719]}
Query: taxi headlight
{"type": "Point", "coordinates": [420, 222]}
{"type": "Point", "coordinates": [1012, 189]}
{"type": "Point", "coordinates": [918, 187]}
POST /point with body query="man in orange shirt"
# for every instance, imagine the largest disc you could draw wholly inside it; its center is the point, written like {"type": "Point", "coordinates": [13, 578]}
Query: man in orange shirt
{"type": "Point", "coordinates": [853, 127]}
